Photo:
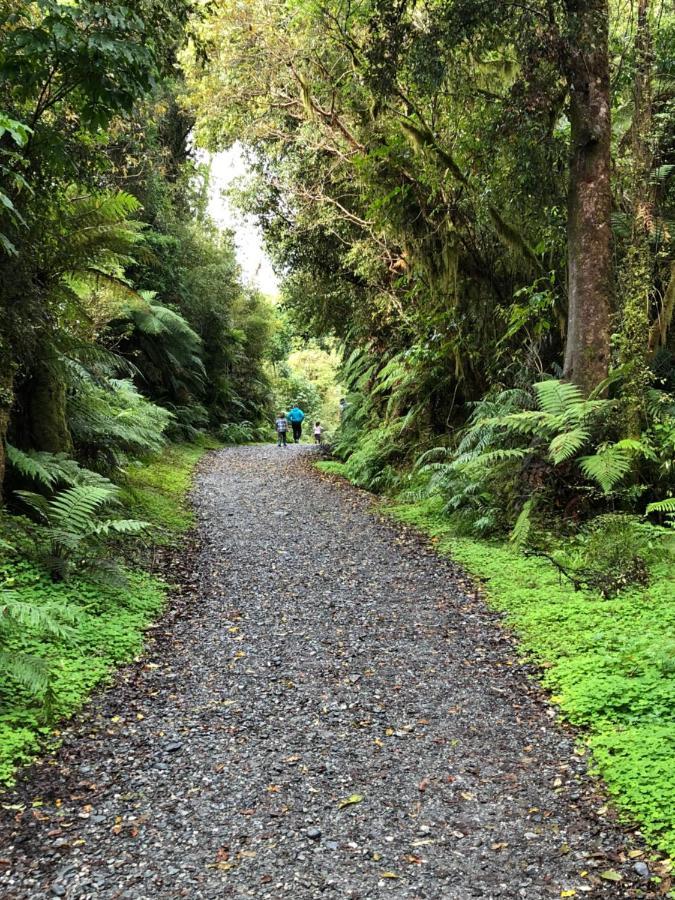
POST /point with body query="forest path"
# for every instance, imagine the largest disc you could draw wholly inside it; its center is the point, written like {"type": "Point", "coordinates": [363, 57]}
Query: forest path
{"type": "Point", "coordinates": [327, 655]}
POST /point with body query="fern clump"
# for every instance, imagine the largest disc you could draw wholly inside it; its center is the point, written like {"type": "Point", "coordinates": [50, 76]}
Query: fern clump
{"type": "Point", "coordinates": [76, 528]}
{"type": "Point", "coordinates": [525, 452]}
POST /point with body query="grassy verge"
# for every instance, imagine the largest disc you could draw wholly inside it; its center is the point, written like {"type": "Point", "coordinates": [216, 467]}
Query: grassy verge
{"type": "Point", "coordinates": [109, 621]}
{"type": "Point", "coordinates": [609, 663]}
{"type": "Point", "coordinates": [157, 492]}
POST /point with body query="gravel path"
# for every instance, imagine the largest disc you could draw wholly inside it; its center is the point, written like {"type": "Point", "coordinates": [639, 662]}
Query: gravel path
{"type": "Point", "coordinates": [324, 657]}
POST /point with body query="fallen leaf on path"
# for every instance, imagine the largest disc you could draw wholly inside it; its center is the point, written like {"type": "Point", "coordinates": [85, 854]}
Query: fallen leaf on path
{"type": "Point", "coordinates": [611, 875]}
{"type": "Point", "coordinates": [389, 875]}
{"type": "Point", "coordinates": [350, 801]}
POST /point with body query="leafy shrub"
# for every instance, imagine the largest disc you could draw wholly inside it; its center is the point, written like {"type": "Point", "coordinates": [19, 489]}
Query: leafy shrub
{"type": "Point", "coordinates": [510, 453]}
{"type": "Point", "coordinates": [188, 422]}
{"type": "Point", "coordinates": [613, 552]}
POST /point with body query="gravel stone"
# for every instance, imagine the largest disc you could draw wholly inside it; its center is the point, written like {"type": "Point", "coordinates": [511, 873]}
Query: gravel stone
{"type": "Point", "coordinates": [310, 658]}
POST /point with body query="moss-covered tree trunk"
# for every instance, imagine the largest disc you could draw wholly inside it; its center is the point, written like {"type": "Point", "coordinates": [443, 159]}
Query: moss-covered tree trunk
{"type": "Point", "coordinates": [589, 235]}
{"type": "Point", "coordinates": [45, 408]}
{"type": "Point", "coordinates": [6, 400]}
{"type": "Point", "coordinates": [637, 276]}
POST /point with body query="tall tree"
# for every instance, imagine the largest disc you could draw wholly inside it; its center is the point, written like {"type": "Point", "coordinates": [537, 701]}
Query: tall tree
{"type": "Point", "coordinates": [589, 231]}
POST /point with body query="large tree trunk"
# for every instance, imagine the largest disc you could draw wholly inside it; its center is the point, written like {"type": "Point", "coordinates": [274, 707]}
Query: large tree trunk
{"type": "Point", "coordinates": [589, 236]}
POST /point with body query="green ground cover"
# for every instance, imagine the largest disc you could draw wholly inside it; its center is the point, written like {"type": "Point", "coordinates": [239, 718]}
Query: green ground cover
{"type": "Point", "coordinates": [609, 663]}
{"type": "Point", "coordinates": [108, 621]}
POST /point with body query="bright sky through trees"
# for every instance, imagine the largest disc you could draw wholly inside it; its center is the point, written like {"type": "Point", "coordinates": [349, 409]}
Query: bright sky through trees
{"type": "Point", "coordinates": [225, 168]}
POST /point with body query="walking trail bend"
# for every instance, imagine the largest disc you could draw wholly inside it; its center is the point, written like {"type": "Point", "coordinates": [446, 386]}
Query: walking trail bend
{"type": "Point", "coordinates": [323, 659]}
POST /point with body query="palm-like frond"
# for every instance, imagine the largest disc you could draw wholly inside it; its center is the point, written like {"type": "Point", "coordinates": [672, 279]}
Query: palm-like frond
{"type": "Point", "coordinates": [567, 444]}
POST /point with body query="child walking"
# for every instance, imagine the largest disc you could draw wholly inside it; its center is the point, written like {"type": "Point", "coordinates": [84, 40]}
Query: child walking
{"type": "Point", "coordinates": [281, 426]}
{"type": "Point", "coordinates": [318, 432]}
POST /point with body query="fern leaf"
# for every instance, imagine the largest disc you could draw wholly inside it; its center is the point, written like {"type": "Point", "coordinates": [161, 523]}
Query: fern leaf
{"type": "Point", "coordinates": [523, 525]}
{"type": "Point", "coordinates": [566, 445]}
{"type": "Point", "coordinates": [556, 397]}
{"type": "Point", "coordinates": [36, 502]}
{"type": "Point", "coordinates": [607, 467]}
{"type": "Point", "coordinates": [30, 671]}
{"type": "Point", "coordinates": [662, 506]}
{"type": "Point", "coordinates": [120, 526]}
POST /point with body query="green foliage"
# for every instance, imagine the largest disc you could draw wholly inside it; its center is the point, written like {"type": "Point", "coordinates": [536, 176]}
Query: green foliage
{"type": "Point", "coordinates": [509, 453]}
{"type": "Point", "coordinates": [62, 648]}
{"type": "Point", "coordinates": [58, 640]}
{"type": "Point", "coordinates": [156, 490]}
{"type": "Point", "coordinates": [110, 421]}
{"type": "Point", "coordinates": [242, 433]}
{"type": "Point", "coordinates": [47, 470]}
{"type": "Point", "coordinates": [612, 553]}
{"type": "Point", "coordinates": [76, 531]}
{"type": "Point", "coordinates": [31, 672]}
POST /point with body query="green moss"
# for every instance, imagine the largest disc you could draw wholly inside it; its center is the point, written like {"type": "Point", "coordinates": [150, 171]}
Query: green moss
{"type": "Point", "coordinates": [609, 663]}
{"type": "Point", "coordinates": [156, 490]}
{"type": "Point", "coordinates": [109, 621]}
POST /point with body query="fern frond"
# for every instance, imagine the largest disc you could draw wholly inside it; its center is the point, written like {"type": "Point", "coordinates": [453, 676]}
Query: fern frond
{"type": "Point", "coordinates": [498, 455]}
{"type": "Point", "coordinates": [566, 445]}
{"type": "Point", "coordinates": [662, 506]}
{"type": "Point", "coordinates": [556, 397]}
{"type": "Point", "coordinates": [120, 526]}
{"type": "Point", "coordinates": [36, 502]}
{"type": "Point", "coordinates": [523, 525]}
{"type": "Point", "coordinates": [31, 672]}
{"type": "Point", "coordinates": [606, 467]}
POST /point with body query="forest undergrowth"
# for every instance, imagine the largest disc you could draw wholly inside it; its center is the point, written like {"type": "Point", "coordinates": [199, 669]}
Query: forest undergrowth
{"type": "Point", "coordinates": [101, 624]}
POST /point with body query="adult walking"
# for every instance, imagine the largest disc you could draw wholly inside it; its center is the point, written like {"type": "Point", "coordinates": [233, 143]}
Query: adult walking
{"type": "Point", "coordinates": [295, 417]}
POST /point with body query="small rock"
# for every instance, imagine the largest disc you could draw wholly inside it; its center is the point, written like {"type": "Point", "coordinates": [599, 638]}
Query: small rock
{"type": "Point", "coordinates": [58, 890]}
{"type": "Point", "coordinates": [314, 833]}
{"type": "Point", "coordinates": [642, 869]}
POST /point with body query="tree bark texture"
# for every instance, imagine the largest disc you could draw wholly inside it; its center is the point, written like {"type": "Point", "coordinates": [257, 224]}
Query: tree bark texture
{"type": "Point", "coordinates": [589, 234]}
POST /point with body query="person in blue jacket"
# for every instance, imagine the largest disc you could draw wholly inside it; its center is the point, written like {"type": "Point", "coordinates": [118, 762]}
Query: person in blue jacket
{"type": "Point", "coordinates": [295, 417]}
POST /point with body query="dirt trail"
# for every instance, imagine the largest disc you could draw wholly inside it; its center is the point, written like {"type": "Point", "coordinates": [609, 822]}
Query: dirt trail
{"type": "Point", "coordinates": [327, 660]}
